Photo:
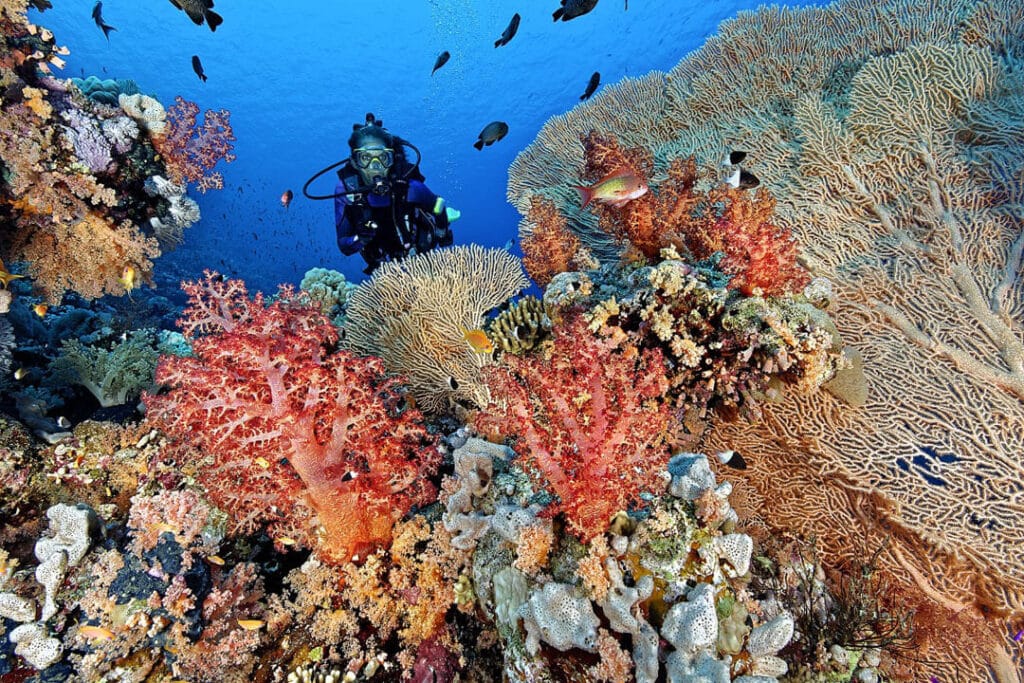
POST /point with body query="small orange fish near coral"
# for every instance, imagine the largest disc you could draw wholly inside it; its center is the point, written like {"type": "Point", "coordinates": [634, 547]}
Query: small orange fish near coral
{"type": "Point", "coordinates": [284, 540]}
{"type": "Point", "coordinates": [478, 340]}
{"type": "Point", "coordinates": [286, 198]}
{"type": "Point", "coordinates": [618, 188]}
{"type": "Point", "coordinates": [96, 632]}
{"type": "Point", "coordinates": [215, 559]}
{"type": "Point", "coordinates": [40, 309]}
{"type": "Point", "coordinates": [250, 624]}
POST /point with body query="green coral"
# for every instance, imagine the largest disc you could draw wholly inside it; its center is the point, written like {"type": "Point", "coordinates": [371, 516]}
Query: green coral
{"type": "Point", "coordinates": [328, 289]}
{"type": "Point", "coordinates": [112, 375]}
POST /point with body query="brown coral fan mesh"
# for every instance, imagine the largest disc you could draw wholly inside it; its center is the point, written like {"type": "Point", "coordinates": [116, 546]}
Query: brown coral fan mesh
{"type": "Point", "coordinates": [412, 313]}
{"type": "Point", "coordinates": [899, 177]}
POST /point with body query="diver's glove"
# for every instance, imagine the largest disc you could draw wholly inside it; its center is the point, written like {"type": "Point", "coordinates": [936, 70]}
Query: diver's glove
{"type": "Point", "coordinates": [348, 241]}
{"type": "Point", "coordinates": [453, 214]}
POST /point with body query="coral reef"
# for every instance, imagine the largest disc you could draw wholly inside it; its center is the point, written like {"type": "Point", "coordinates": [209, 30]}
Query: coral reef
{"type": "Point", "coordinates": [71, 198]}
{"type": "Point", "coordinates": [111, 375]}
{"type": "Point", "coordinates": [915, 219]}
{"type": "Point", "coordinates": [316, 445]}
{"type": "Point", "coordinates": [413, 313]}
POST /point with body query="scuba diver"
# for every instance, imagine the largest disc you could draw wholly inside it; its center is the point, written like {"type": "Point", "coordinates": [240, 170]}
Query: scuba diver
{"type": "Point", "coordinates": [382, 208]}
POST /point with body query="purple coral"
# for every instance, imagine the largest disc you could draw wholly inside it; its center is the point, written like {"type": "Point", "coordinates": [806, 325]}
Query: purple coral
{"type": "Point", "coordinates": [91, 147]}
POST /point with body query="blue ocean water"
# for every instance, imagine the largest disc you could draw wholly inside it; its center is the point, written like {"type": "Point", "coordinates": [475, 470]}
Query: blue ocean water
{"type": "Point", "coordinates": [296, 76]}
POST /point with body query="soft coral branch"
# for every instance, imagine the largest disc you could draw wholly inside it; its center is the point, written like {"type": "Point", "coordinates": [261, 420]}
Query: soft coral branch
{"type": "Point", "coordinates": [589, 418]}
{"type": "Point", "coordinates": [318, 441]}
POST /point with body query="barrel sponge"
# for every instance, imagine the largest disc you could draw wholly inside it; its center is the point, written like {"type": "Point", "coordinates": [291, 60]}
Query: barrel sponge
{"type": "Point", "coordinates": [560, 616]}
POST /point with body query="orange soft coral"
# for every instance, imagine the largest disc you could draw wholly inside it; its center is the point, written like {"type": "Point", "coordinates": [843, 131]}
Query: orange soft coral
{"type": "Point", "coordinates": [549, 247]}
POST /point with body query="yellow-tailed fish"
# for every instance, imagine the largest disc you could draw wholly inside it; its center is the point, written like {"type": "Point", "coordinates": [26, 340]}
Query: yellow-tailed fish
{"type": "Point", "coordinates": [20, 373]}
{"type": "Point", "coordinates": [262, 462]}
{"type": "Point", "coordinates": [40, 309]}
{"type": "Point", "coordinates": [251, 624]}
{"type": "Point", "coordinates": [215, 559]}
{"type": "Point", "coordinates": [284, 540]}
{"type": "Point", "coordinates": [478, 340]}
{"type": "Point", "coordinates": [618, 188]}
{"type": "Point", "coordinates": [6, 278]}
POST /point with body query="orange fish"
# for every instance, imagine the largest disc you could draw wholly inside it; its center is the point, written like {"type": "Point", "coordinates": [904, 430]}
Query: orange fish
{"type": "Point", "coordinates": [40, 309]}
{"type": "Point", "coordinates": [286, 198]}
{"type": "Point", "coordinates": [96, 632]}
{"type": "Point", "coordinates": [618, 188]}
{"type": "Point", "coordinates": [250, 624]}
{"type": "Point", "coordinates": [478, 340]}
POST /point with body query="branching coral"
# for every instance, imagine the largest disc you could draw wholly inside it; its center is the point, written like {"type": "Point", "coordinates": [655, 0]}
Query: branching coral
{"type": "Point", "coordinates": [589, 419]}
{"type": "Point", "coordinates": [192, 150]}
{"type": "Point", "coordinates": [549, 247]}
{"type": "Point", "coordinates": [314, 443]}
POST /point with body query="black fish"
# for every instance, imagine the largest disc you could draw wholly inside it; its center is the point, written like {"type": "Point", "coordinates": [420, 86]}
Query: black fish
{"type": "Point", "coordinates": [442, 59]}
{"type": "Point", "coordinates": [97, 16]}
{"type": "Point", "coordinates": [198, 11]}
{"type": "Point", "coordinates": [595, 81]}
{"type": "Point", "coordinates": [509, 32]}
{"type": "Point", "coordinates": [737, 157]}
{"type": "Point", "coordinates": [732, 459]}
{"type": "Point", "coordinates": [571, 9]}
{"type": "Point", "coordinates": [739, 178]}
{"type": "Point", "coordinates": [492, 132]}
{"type": "Point", "coordinates": [197, 66]}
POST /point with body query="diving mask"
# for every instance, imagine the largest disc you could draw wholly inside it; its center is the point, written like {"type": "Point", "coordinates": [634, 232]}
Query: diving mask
{"type": "Point", "coordinates": [378, 157]}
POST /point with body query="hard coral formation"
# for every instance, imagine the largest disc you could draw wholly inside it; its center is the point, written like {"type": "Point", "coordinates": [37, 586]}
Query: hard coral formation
{"type": "Point", "coordinates": [313, 443]}
{"type": "Point", "coordinates": [521, 327]}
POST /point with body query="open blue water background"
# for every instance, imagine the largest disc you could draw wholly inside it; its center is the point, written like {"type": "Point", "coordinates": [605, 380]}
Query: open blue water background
{"type": "Point", "coordinates": [296, 76]}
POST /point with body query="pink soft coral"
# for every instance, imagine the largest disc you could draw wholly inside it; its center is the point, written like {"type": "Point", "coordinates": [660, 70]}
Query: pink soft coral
{"type": "Point", "coordinates": [286, 432]}
{"type": "Point", "coordinates": [589, 418]}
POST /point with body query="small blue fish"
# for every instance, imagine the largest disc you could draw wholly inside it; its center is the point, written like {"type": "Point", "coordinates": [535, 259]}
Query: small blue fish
{"type": "Point", "coordinates": [509, 244]}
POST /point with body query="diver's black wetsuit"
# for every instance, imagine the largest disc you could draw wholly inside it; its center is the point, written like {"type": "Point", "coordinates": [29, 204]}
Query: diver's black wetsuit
{"type": "Point", "coordinates": [389, 225]}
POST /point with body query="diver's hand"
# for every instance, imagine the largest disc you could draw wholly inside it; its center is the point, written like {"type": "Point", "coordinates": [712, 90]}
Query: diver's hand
{"type": "Point", "coordinates": [348, 241]}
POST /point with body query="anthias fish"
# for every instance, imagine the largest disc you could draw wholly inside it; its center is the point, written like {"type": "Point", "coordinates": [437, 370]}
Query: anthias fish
{"type": "Point", "coordinates": [510, 32]}
{"type": "Point", "coordinates": [618, 188]}
{"type": "Point", "coordinates": [286, 198]}
{"type": "Point", "coordinates": [571, 9]}
{"type": "Point", "coordinates": [199, 11]}
{"type": "Point", "coordinates": [492, 132]}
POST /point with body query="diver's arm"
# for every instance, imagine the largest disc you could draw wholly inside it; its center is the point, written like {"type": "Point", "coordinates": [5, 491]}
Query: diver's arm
{"type": "Point", "coordinates": [348, 237]}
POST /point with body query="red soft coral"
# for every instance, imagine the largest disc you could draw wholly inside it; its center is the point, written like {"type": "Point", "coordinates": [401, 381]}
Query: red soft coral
{"type": "Point", "coordinates": [286, 432]}
{"type": "Point", "coordinates": [589, 418]}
